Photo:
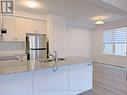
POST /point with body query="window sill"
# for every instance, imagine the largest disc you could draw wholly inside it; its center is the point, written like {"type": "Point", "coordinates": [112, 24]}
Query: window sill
{"type": "Point", "coordinates": [114, 55]}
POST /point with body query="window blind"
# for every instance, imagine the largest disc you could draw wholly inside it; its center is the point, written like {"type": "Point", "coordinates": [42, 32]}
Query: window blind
{"type": "Point", "coordinates": [120, 35]}
{"type": "Point", "coordinates": [115, 36]}
{"type": "Point", "coordinates": [108, 36]}
{"type": "Point", "coordinates": [115, 41]}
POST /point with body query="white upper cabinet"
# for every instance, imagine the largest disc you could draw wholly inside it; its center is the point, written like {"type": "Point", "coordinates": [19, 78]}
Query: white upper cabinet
{"type": "Point", "coordinates": [17, 27]}
{"type": "Point", "coordinates": [36, 26]}
{"type": "Point", "coordinates": [54, 27]}
{"type": "Point", "coordinates": [9, 24]}
{"type": "Point", "coordinates": [20, 28]}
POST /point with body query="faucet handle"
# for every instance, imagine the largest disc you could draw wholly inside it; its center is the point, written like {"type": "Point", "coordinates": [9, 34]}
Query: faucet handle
{"type": "Point", "coordinates": [55, 52]}
{"type": "Point", "coordinates": [48, 54]}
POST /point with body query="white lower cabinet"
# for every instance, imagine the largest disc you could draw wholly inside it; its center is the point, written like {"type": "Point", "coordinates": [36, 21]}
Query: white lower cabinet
{"type": "Point", "coordinates": [59, 81]}
{"type": "Point", "coordinates": [42, 82]}
{"type": "Point", "coordinates": [47, 82]}
{"type": "Point", "coordinates": [67, 80]}
{"type": "Point", "coordinates": [16, 84]}
{"type": "Point", "coordinates": [80, 78]}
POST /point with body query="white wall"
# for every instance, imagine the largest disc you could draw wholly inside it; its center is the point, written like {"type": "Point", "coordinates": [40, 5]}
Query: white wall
{"type": "Point", "coordinates": [97, 44]}
{"type": "Point", "coordinates": [77, 41]}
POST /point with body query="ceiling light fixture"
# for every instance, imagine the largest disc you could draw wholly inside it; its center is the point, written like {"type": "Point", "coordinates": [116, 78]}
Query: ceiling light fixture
{"type": "Point", "coordinates": [32, 4]}
{"type": "Point", "coordinates": [99, 20]}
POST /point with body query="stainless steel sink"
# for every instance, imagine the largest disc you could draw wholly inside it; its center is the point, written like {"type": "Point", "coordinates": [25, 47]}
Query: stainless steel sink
{"type": "Point", "coordinates": [60, 59]}
{"type": "Point", "coordinates": [51, 60]}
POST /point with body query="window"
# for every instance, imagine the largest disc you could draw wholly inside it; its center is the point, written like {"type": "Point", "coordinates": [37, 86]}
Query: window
{"type": "Point", "coordinates": [115, 41]}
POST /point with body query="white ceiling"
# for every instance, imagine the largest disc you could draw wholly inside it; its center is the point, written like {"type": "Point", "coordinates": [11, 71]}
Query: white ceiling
{"type": "Point", "coordinates": [122, 4]}
{"type": "Point", "coordinates": [76, 11]}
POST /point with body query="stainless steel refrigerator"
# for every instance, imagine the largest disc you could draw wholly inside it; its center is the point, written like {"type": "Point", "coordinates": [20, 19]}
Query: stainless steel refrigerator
{"type": "Point", "coordinates": [36, 46]}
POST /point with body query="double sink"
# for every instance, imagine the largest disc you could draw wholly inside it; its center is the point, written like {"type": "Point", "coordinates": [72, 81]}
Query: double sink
{"type": "Point", "coordinates": [53, 61]}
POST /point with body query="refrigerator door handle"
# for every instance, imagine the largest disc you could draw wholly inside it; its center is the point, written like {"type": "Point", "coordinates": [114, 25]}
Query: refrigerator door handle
{"type": "Point", "coordinates": [38, 48]}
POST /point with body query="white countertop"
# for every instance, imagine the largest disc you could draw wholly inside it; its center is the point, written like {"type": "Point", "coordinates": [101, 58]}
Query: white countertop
{"type": "Point", "coordinates": [12, 67]}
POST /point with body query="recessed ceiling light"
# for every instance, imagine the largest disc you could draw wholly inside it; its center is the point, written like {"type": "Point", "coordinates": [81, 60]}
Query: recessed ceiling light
{"type": "Point", "coordinates": [32, 4]}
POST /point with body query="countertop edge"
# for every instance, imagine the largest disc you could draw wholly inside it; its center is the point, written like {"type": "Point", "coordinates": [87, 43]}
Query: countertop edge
{"type": "Point", "coordinates": [30, 66]}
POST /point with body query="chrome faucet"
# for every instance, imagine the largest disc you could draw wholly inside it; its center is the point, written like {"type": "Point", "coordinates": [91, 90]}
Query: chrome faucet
{"type": "Point", "coordinates": [55, 59]}
{"type": "Point", "coordinates": [54, 56]}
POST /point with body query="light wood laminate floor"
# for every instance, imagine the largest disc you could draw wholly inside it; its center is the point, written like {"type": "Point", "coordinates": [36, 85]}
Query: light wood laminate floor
{"type": "Point", "coordinates": [108, 81]}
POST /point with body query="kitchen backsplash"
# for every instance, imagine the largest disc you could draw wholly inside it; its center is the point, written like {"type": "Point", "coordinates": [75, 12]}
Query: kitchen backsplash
{"type": "Point", "coordinates": [12, 48]}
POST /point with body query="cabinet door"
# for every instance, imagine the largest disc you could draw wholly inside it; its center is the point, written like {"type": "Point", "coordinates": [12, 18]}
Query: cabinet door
{"type": "Point", "coordinates": [9, 24]}
{"type": "Point", "coordinates": [17, 84]}
{"type": "Point", "coordinates": [47, 82]}
{"type": "Point", "coordinates": [80, 78]}
{"type": "Point", "coordinates": [59, 80]}
{"type": "Point", "coordinates": [36, 26]}
{"type": "Point", "coordinates": [20, 29]}
{"type": "Point", "coordinates": [42, 82]}
{"type": "Point", "coordinates": [29, 26]}
{"type": "Point", "coordinates": [39, 26]}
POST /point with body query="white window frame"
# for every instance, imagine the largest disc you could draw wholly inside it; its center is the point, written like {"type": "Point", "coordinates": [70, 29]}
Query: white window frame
{"type": "Point", "coordinates": [113, 54]}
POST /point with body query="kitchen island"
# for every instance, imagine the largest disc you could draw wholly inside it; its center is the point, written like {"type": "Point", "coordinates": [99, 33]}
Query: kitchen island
{"type": "Point", "coordinates": [73, 76]}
